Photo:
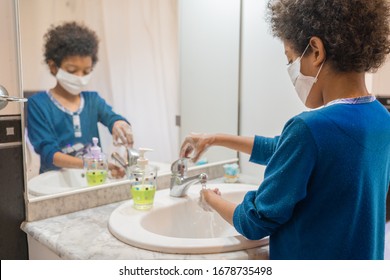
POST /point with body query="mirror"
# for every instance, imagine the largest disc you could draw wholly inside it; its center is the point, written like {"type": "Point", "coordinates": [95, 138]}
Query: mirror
{"type": "Point", "coordinates": [144, 48]}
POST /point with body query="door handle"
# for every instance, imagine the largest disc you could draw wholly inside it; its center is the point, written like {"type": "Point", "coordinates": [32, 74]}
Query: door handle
{"type": "Point", "coordinates": [5, 98]}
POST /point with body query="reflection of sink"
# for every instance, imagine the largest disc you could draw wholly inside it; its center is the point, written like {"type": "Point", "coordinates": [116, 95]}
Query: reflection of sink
{"type": "Point", "coordinates": [179, 225]}
{"type": "Point", "coordinates": [53, 182]}
{"type": "Point", "coordinates": [66, 180]}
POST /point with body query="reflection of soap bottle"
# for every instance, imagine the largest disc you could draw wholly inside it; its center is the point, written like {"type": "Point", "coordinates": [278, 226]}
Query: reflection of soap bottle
{"type": "Point", "coordinates": [231, 173]}
{"type": "Point", "coordinates": [95, 165]}
{"type": "Point", "coordinates": [143, 185]}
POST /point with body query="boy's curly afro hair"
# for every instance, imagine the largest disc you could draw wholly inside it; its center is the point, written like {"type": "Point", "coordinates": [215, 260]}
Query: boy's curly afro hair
{"type": "Point", "coordinates": [355, 33]}
{"type": "Point", "coordinates": [70, 39]}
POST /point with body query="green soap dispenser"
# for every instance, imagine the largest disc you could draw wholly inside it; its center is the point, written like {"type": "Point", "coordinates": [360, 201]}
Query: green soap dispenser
{"type": "Point", "coordinates": [143, 182]}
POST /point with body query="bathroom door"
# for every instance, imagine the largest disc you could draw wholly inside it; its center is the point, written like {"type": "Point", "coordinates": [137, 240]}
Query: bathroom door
{"type": "Point", "coordinates": [13, 241]}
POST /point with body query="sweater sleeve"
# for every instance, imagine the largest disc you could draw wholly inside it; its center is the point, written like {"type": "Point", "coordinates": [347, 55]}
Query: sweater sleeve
{"type": "Point", "coordinates": [41, 133]}
{"type": "Point", "coordinates": [105, 113]}
{"type": "Point", "coordinates": [263, 149]}
{"type": "Point", "coordinates": [285, 181]}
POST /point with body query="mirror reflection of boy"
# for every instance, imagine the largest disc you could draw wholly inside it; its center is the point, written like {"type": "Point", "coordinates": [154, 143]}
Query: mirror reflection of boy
{"type": "Point", "coordinates": [63, 120]}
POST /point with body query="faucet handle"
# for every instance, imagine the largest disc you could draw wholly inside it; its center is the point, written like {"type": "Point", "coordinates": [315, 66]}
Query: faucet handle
{"type": "Point", "coordinates": [179, 166]}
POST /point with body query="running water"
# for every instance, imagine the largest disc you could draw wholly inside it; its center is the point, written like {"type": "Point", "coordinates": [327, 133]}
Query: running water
{"type": "Point", "coordinates": [207, 216]}
{"type": "Point", "coordinates": [202, 203]}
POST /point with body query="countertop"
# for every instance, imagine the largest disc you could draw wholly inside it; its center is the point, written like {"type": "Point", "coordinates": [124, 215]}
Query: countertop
{"type": "Point", "coordinates": [84, 235]}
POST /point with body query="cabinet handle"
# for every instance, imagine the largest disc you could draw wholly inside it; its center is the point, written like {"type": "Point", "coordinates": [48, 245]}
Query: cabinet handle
{"type": "Point", "coordinates": [10, 145]}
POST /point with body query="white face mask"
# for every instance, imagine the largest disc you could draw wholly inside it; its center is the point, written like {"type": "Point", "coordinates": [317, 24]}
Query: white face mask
{"type": "Point", "coordinates": [72, 83]}
{"type": "Point", "coordinates": [302, 83]}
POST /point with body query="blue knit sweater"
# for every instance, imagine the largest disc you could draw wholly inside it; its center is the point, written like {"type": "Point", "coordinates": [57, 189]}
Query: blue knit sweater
{"type": "Point", "coordinates": [325, 184]}
{"type": "Point", "coordinates": [51, 128]}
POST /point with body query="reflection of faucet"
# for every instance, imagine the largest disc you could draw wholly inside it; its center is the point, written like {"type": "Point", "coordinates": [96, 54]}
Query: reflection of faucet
{"type": "Point", "coordinates": [180, 183]}
{"type": "Point", "coordinates": [131, 159]}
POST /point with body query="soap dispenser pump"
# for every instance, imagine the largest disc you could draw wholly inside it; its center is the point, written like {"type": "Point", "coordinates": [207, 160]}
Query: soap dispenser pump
{"type": "Point", "coordinates": [96, 151]}
{"type": "Point", "coordinates": [142, 161]}
{"type": "Point", "coordinates": [95, 165]}
{"type": "Point", "coordinates": [143, 182]}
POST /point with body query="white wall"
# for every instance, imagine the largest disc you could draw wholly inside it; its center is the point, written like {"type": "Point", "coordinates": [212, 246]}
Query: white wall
{"type": "Point", "coordinates": [381, 80]}
{"type": "Point", "coordinates": [379, 84]}
{"type": "Point", "coordinates": [268, 98]}
{"type": "Point", "coordinates": [9, 72]}
{"type": "Point", "coordinates": [209, 38]}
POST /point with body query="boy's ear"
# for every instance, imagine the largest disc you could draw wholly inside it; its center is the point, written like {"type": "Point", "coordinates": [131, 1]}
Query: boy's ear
{"type": "Point", "coordinates": [52, 67]}
{"type": "Point", "coordinates": [318, 49]}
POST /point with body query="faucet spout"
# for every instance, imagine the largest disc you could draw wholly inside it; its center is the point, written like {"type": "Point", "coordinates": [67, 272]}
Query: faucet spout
{"type": "Point", "coordinates": [131, 159]}
{"type": "Point", "coordinates": [180, 184]}
{"type": "Point", "coordinates": [120, 160]}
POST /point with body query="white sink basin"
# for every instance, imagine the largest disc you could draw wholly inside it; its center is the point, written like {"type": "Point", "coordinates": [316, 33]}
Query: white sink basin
{"type": "Point", "coordinates": [53, 182]}
{"type": "Point", "coordinates": [180, 225]}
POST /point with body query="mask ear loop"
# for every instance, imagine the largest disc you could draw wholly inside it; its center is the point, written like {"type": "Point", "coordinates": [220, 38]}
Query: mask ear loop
{"type": "Point", "coordinates": [318, 73]}
{"type": "Point", "coordinates": [305, 50]}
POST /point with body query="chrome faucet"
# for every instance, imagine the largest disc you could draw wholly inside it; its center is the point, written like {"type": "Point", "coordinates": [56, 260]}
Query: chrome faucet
{"type": "Point", "coordinates": [131, 159]}
{"type": "Point", "coordinates": [180, 183]}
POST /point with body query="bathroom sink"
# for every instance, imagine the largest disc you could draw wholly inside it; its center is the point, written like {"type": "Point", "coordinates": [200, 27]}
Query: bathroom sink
{"type": "Point", "coordinates": [58, 181]}
{"type": "Point", "coordinates": [52, 182]}
{"type": "Point", "coordinates": [180, 225]}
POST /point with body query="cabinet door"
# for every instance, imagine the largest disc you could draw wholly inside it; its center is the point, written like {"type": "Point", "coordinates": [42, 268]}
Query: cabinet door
{"type": "Point", "coordinates": [13, 242]}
